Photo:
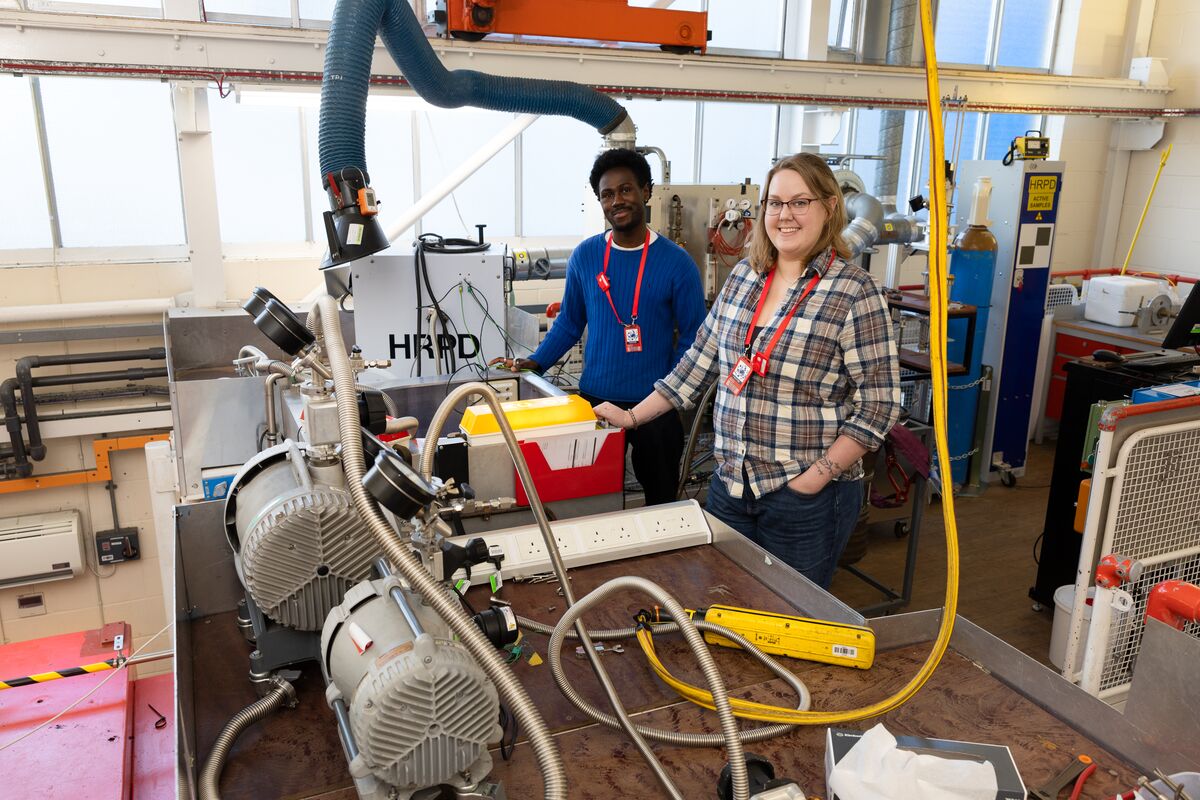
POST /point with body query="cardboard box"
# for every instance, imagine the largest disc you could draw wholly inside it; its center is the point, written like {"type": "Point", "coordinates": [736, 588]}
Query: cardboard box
{"type": "Point", "coordinates": [1009, 785]}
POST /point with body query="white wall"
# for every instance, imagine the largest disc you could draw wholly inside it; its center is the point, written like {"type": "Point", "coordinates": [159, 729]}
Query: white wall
{"type": "Point", "coordinates": [130, 592]}
{"type": "Point", "coordinates": [1170, 237]}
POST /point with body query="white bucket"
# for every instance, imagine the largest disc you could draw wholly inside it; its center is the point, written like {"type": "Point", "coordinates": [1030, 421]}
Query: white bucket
{"type": "Point", "coordinates": [1064, 601]}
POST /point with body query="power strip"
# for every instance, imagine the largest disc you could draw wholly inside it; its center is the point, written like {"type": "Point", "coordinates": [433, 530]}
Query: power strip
{"type": "Point", "coordinates": [596, 539]}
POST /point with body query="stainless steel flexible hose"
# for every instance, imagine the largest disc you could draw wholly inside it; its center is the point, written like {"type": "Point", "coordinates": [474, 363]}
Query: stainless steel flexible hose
{"type": "Point", "coordinates": [716, 684]}
{"type": "Point", "coordinates": [674, 737]}
{"type": "Point", "coordinates": [514, 694]}
{"type": "Point", "coordinates": [210, 776]}
{"type": "Point", "coordinates": [560, 569]}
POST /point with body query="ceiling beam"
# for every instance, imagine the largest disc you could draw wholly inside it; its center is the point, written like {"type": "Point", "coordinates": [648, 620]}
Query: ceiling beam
{"type": "Point", "coordinates": [258, 54]}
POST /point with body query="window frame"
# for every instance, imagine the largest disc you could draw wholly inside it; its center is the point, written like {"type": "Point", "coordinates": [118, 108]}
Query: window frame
{"type": "Point", "coordinates": [856, 10]}
{"type": "Point", "coordinates": [68, 7]}
{"type": "Point", "coordinates": [56, 253]}
{"type": "Point", "coordinates": [992, 44]}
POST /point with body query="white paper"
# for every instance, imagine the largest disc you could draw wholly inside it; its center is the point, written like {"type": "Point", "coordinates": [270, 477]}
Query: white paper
{"type": "Point", "coordinates": [564, 452]}
{"type": "Point", "coordinates": [875, 769]}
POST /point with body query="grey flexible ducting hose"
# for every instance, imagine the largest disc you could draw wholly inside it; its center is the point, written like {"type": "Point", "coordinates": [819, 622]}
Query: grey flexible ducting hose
{"type": "Point", "coordinates": [544, 748]}
{"type": "Point", "coordinates": [675, 737]}
{"type": "Point", "coordinates": [346, 79]}
{"type": "Point", "coordinates": [716, 684]}
{"type": "Point", "coordinates": [210, 776]}
{"type": "Point", "coordinates": [432, 433]}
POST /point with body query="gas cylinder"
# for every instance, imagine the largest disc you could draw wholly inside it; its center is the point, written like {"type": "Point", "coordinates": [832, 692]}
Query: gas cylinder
{"type": "Point", "coordinates": [972, 267]}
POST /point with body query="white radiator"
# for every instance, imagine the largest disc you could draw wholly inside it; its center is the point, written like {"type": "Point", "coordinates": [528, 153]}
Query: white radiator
{"type": "Point", "coordinates": [36, 548]}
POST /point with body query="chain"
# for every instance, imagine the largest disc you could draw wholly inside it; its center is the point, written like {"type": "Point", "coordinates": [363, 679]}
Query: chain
{"type": "Point", "coordinates": [965, 455]}
{"type": "Point", "coordinates": [970, 385]}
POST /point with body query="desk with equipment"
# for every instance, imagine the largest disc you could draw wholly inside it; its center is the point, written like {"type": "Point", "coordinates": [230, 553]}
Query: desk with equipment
{"type": "Point", "coordinates": [1107, 375]}
{"type": "Point", "coordinates": [984, 691]}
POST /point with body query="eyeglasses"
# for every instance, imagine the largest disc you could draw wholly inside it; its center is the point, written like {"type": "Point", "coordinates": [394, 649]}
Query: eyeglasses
{"type": "Point", "coordinates": [798, 205]}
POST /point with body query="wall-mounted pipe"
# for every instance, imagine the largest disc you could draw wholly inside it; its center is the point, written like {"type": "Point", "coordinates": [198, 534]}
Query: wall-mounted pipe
{"type": "Point", "coordinates": [20, 455]}
{"type": "Point", "coordinates": [108, 309]}
{"type": "Point", "coordinates": [24, 376]}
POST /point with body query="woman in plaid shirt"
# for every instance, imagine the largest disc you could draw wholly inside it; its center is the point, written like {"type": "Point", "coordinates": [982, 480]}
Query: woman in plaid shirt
{"type": "Point", "coordinates": [802, 344]}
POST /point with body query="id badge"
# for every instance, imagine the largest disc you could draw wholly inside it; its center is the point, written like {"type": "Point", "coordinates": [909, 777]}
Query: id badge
{"type": "Point", "coordinates": [633, 339]}
{"type": "Point", "coordinates": [739, 376]}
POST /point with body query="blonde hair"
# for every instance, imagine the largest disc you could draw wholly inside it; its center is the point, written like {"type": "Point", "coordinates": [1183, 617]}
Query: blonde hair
{"type": "Point", "coordinates": [816, 173]}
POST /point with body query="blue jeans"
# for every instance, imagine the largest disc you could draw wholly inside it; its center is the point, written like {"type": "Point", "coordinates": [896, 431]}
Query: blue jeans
{"type": "Point", "coordinates": [806, 531]}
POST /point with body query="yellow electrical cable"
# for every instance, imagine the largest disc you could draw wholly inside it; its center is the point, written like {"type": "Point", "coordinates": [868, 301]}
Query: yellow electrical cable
{"type": "Point", "coordinates": [937, 360]}
{"type": "Point", "coordinates": [1162, 163]}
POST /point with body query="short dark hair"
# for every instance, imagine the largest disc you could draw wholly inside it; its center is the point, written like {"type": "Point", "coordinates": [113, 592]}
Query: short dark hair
{"type": "Point", "coordinates": [631, 160]}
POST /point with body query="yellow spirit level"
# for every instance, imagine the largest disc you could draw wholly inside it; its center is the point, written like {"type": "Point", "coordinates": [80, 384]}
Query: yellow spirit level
{"type": "Point", "coordinates": [794, 637]}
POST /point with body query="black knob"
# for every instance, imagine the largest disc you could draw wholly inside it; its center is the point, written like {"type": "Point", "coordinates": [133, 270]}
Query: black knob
{"type": "Point", "coordinates": [257, 301]}
{"type": "Point", "coordinates": [372, 410]}
{"type": "Point", "coordinates": [281, 325]}
{"type": "Point", "coordinates": [396, 485]}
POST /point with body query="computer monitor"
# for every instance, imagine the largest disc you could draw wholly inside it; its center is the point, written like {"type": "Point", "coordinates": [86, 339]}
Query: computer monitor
{"type": "Point", "coordinates": [1185, 332]}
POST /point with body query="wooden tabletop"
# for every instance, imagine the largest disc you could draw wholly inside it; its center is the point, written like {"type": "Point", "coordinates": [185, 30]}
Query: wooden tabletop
{"type": "Point", "coordinates": [296, 753]}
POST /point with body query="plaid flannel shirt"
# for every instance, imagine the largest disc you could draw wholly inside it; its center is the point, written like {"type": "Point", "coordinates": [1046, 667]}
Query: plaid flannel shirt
{"type": "Point", "coordinates": [834, 372]}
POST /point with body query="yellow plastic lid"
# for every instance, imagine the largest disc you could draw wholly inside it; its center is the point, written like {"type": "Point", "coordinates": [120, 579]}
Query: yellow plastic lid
{"type": "Point", "coordinates": [541, 412]}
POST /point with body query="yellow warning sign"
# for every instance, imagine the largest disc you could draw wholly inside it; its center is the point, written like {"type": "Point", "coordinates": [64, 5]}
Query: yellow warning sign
{"type": "Point", "coordinates": [1038, 218]}
{"type": "Point", "coordinates": [1041, 192]}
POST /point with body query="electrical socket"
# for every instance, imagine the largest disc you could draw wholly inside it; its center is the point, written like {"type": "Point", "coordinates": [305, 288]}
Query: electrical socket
{"type": "Point", "coordinates": [599, 538]}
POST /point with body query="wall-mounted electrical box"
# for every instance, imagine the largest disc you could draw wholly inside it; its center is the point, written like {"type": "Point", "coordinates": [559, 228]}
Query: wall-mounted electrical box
{"type": "Point", "coordinates": [113, 547]}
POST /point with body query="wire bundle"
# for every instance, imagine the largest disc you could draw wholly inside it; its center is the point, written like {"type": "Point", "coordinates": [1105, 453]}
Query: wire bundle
{"type": "Point", "coordinates": [723, 248]}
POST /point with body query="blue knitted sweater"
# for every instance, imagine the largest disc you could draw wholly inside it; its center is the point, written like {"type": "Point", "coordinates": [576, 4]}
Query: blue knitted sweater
{"type": "Point", "coordinates": [672, 300]}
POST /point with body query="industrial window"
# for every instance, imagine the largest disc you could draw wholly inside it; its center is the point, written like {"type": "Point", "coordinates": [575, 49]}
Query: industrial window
{"type": "Point", "coordinates": [965, 139]}
{"type": "Point", "coordinates": [984, 136]}
{"type": "Point", "coordinates": [261, 12]}
{"type": "Point", "coordinates": [556, 159]}
{"type": "Point", "coordinates": [487, 197]}
{"type": "Point", "coordinates": [116, 8]}
{"type": "Point", "coordinates": [998, 34]}
{"type": "Point", "coordinates": [867, 126]}
{"type": "Point", "coordinates": [26, 218]}
{"type": "Point", "coordinates": [1003, 127]}
{"type": "Point", "coordinates": [737, 141]}
{"type": "Point", "coordinates": [1027, 33]}
{"type": "Point", "coordinates": [671, 126]}
{"type": "Point", "coordinates": [257, 161]}
{"type": "Point", "coordinates": [317, 10]}
{"type": "Point", "coordinates": [845, 25]}
{"type": "Point", "coordinates": [112, 152]}
{"type": "Point", "coordinates": [755, 27]}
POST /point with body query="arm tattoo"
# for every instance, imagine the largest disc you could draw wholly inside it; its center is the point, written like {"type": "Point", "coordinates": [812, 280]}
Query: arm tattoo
{"type": "Point", "coordinates": [829, 467]}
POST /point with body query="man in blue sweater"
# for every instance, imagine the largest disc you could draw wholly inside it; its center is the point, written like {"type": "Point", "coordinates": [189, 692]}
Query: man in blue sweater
{"type": "Point", "coordinates": [640, 298]}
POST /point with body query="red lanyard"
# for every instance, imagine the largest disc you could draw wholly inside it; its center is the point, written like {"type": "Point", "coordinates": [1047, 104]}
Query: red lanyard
{"type": "Point", "coordinates": [765, 355]}
{"type": "Point", "coordinates": [604, 284]}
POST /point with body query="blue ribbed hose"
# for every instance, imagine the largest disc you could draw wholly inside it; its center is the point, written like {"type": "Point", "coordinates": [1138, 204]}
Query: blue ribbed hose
{"type": "Point", "coordinates": [348, 69]}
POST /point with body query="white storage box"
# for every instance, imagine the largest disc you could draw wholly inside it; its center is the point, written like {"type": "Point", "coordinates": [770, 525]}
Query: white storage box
{"type": "Point", "coordinates": [1115, 299]}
